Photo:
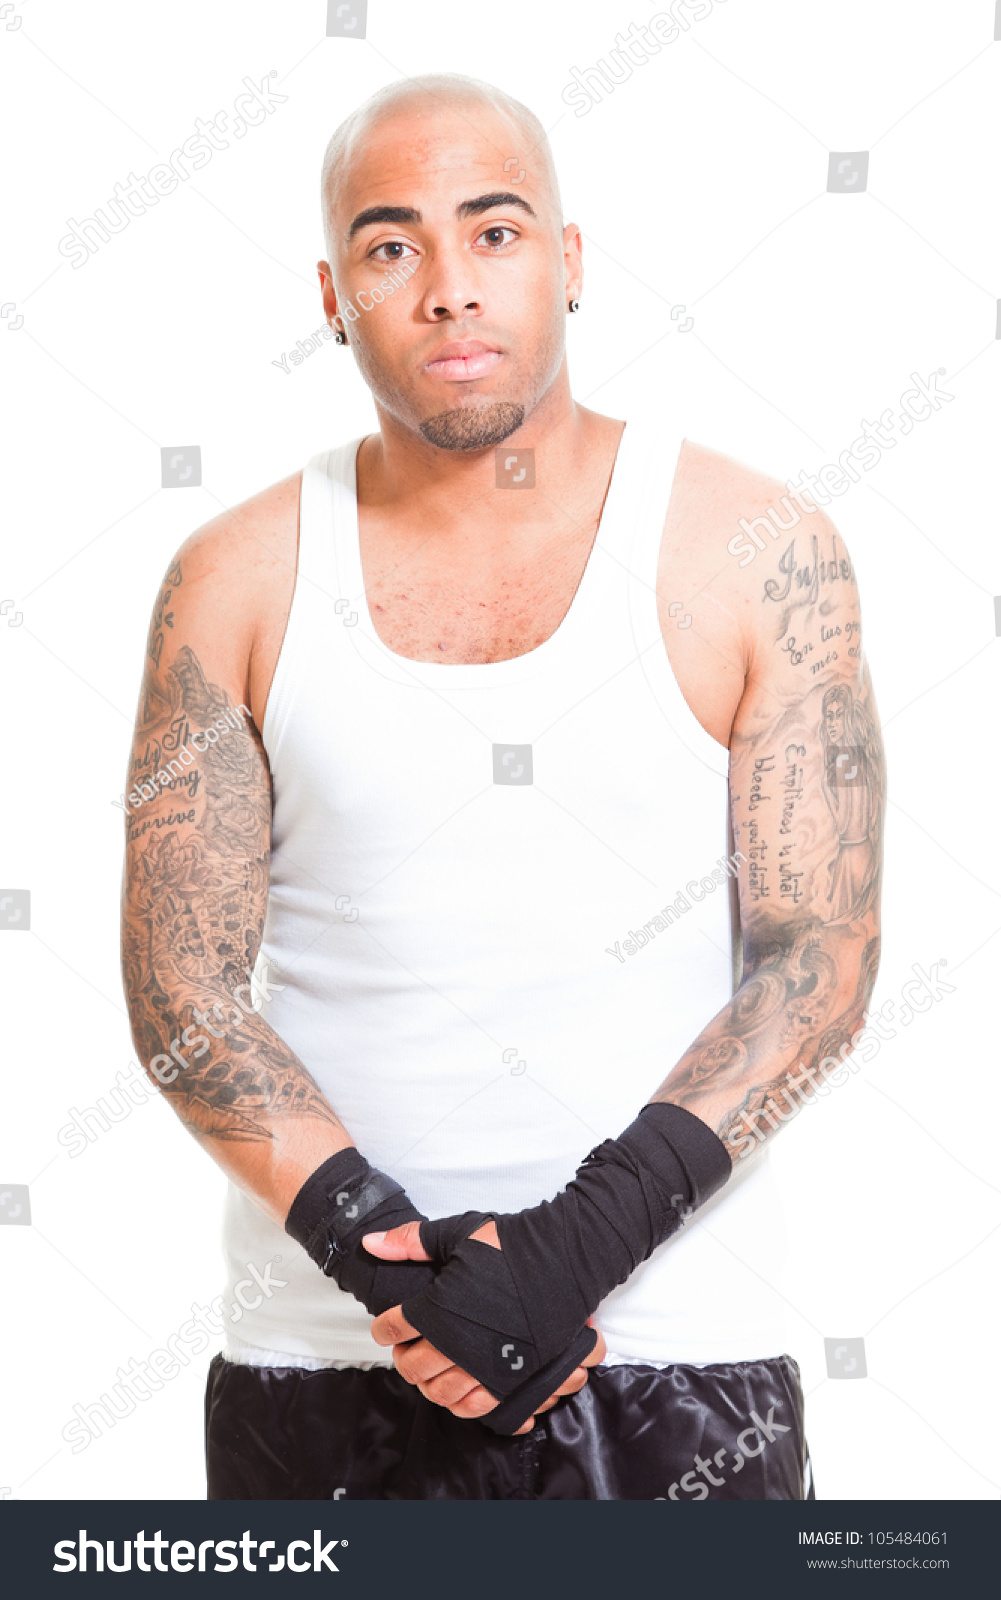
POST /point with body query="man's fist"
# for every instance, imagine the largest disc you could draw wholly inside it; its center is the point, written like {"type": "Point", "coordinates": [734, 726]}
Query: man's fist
{"type": "Point", "coordinates": [418, 1361]}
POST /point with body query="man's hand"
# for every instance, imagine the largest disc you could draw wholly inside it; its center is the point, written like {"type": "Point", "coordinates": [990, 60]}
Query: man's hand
{"type": "Point", "coordinates": [521, 1300]}
{"type": "Point", "coordinates": [418, 1361]}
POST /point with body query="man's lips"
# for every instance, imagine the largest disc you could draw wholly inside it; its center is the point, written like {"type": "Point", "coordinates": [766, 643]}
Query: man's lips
{"type": "Point", "coordinates": [463, 358]}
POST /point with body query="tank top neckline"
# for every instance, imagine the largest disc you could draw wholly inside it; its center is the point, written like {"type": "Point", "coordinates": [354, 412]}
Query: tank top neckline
{"type": "Point", "coordinates": [611, 539]}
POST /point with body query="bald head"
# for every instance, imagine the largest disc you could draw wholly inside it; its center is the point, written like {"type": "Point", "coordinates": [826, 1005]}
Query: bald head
{"type": "Point", "coordinates": [424, 99]}
{"type": "Point", "coordinates": [441, 206]}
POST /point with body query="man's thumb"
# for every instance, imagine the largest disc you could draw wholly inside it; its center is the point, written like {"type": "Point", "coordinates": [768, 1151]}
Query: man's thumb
{"type": "Point", "coordinates": [398, 1244]}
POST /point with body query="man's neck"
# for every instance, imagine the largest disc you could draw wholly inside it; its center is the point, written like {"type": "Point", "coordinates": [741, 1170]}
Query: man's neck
{"type": "Point", "coordinates": [398, 469]}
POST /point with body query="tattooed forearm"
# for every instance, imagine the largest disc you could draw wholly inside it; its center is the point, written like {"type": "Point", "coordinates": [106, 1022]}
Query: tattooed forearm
{"type": "Point", "coordinates": [197, 854]}
{"type": "Point", "coordinates": [808, 791]}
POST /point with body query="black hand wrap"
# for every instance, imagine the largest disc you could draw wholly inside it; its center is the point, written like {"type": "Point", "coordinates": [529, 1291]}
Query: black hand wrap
{"type": "Point", "coordinates": [343, 1200]}
{"type": "Point", "coordinates": [515, 1318]}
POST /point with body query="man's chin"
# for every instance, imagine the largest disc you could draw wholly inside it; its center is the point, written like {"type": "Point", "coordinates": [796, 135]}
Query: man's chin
{"type": "Point", "coordinates": [476, 427]}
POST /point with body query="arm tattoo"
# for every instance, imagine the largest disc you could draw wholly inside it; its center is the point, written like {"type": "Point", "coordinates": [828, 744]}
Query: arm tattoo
{"type": "Point", "coordinates": [197, 855]}
{"type": "Point", "coordinates": [808, 795]}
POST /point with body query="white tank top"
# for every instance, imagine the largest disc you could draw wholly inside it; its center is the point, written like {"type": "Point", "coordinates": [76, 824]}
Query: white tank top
{"type": "Point", "coordinates": [499, 908]}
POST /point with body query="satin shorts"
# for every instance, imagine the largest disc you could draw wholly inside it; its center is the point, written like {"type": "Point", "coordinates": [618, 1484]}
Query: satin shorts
{"type": "Point", "coordinates": [726, 1432]}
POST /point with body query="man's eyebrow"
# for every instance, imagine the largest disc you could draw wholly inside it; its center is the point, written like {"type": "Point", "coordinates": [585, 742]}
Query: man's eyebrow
{"type": "Point", "coordinates": [409, 214]}
{"type": "Point", "coordinates": [486, 202]}
{"type": "Point", "coordinates": [400, 214]}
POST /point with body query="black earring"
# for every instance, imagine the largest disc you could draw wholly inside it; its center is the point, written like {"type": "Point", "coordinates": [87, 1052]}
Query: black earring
{"type": "Point", "coordinates": [339, 337]}
{"type": "Point", "coordinates": [574, 305]}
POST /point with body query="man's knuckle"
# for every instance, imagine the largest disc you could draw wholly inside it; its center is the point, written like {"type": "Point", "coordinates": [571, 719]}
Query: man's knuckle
{"type": "Point", "coordinates": [409, 1366]}
{"type": "Point", "coordinates": [476, 1403]}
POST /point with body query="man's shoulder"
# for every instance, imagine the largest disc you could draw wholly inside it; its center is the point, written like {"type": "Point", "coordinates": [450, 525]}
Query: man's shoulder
{"type": "Point", "coordinates": [735, 607]}
{"type": "Point", "coordinates": [716, 495]}
{"type": "Point", "coordinates": [250, 545]}
{"type": "Point", "coordinates": [227, 592]}
{"type": "Point", "coordinates": [738, 529]}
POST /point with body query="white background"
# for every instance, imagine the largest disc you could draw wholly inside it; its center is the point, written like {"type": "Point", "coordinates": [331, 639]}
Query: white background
{"type": "Point", "coordinates": [699, 181]}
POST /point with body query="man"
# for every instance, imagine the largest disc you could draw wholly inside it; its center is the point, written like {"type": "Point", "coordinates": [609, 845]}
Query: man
{"type": "Point", "coordinates": [433, 751]}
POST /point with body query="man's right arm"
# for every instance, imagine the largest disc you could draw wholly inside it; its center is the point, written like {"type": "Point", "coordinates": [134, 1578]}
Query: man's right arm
{"type": "Point", "coordinates": [195, 890]}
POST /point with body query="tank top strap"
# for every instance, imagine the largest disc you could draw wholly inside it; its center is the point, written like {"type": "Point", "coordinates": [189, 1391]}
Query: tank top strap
{"type": "Point", "coordinates": [655, 447]}
{"type": "Point", "coordinates": [324, 560]}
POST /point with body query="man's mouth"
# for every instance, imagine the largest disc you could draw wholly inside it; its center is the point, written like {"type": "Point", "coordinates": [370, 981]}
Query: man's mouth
{"type": "Point", "coordinates": [463, 359]}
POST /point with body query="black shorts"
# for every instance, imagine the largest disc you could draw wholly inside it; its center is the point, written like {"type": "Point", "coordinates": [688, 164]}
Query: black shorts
{"type": "Point", "coordinates": [727, 1432]}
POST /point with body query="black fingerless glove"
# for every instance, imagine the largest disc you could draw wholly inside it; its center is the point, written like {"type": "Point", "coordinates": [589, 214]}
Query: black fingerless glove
{"type": "Point", "coordinates": [515, 1318]}
{"type": "Point", "coordinates": [343, 1200]}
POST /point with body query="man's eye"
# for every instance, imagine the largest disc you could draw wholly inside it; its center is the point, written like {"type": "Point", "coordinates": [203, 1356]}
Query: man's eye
{"type": "Point", "coordinates": [492, 235]}
{"type": "Point", "coordinates": [393, 245]}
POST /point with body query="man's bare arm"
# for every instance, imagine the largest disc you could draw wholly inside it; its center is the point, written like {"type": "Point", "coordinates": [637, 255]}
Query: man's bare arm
{"type": "Point", "coordinates": [195, 892]}
{"type": "Point", "coordinates": [808, 785]}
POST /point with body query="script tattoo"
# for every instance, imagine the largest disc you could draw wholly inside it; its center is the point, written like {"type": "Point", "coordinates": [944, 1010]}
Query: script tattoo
{"type": "Point", "coordinates": [162, 618]}
{"type": "Point", "coordinates": [193, 907]}
{"type": "Point", "coordinates": [808, 790]}
{"type": "Point", "coordinates": [806, 583]}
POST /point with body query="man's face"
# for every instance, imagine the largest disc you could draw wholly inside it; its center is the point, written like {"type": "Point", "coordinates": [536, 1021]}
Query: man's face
{"type": "Point", "coordinates": [464, 351]}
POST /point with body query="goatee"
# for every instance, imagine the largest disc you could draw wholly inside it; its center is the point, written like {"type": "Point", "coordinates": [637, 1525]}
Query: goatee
{"type": "Point", "coordinates": [474, 428]}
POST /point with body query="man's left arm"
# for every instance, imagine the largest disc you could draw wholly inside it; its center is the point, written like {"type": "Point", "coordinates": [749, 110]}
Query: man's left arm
{"type": "Point", "coordinates": [808, 788]}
